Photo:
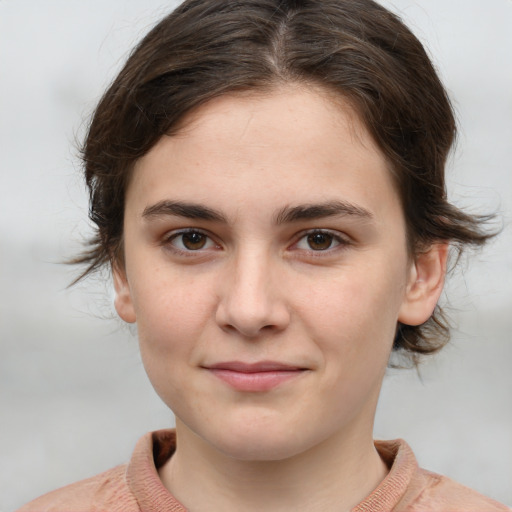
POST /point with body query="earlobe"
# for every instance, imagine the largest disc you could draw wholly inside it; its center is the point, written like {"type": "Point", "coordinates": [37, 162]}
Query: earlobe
{"type": "Point", "coordinates": [424, 286]}
{"type": "Point", "coordinates": [123, 299]}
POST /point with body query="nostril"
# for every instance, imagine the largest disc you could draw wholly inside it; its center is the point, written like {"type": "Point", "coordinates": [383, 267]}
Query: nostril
{"type": "Point", "coordinates": [251, 325]}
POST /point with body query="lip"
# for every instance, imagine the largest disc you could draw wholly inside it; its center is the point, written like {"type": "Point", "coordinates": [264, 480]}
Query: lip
{"type": "Point", "coordinates": [254, 377]}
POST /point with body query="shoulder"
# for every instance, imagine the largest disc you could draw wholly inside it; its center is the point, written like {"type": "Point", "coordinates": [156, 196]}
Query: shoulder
{"type": "Point", "coordinates": [409, 488]}
{"type": "Point", "coordinates": [438, 492]}
{"type": "Point", "coordinates": [128, 488]}
{"type": "Point", "coordinates": [108, 489]}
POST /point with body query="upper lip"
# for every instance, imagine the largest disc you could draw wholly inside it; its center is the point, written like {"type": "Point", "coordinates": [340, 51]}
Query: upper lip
{"type": "Point", "coordinates": [260, 366]}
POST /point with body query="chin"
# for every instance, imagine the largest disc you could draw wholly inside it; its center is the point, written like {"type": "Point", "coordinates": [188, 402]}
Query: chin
{"type": "Point", "coordinates": [261, 448]}
{"type": "Point", "coordinates": [259, 442]}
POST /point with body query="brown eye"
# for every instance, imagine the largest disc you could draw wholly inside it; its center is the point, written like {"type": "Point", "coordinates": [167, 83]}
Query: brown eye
{"type": "Point", "coordinates": [189, 241]}
{"type": "Point", "coordinates": [194, 241]}
{"type": "Point", "coordinates": [320, 241]}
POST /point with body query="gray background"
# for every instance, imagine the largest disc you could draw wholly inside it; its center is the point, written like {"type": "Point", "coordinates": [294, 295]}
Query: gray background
{"type": "Point", "coordinates": [73, 394]}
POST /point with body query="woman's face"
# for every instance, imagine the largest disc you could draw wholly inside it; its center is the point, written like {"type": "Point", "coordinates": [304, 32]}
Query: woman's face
{"type": "Point", "coordinates": [266, 268]}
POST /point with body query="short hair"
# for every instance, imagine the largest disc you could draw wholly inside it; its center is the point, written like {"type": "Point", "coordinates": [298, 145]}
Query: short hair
{"type": "Point", "coordinates": [355, 48]}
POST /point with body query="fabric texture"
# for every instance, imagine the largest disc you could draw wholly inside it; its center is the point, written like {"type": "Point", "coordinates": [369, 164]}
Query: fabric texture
{"type": "Point", "coordinates": [136, 487]}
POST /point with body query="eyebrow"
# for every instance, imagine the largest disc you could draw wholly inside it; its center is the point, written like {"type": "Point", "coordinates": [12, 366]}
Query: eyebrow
{"type": "Point", "coordinates": [181, 209]}
{"type": "Point", "coordinates": [288, 214]}
{"type": "Point", "coordinates": [318, 211]}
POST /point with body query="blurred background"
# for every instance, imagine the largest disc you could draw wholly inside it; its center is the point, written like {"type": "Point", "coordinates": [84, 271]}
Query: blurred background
{"type": "Point", "coordinates": [74, 397]}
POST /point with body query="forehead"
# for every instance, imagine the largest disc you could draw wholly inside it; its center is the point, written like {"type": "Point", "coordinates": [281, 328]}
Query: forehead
{"type": "Point", "coordinates": [294, 143]}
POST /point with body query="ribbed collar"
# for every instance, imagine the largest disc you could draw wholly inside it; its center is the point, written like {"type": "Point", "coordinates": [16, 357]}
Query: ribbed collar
{"type": "Point", "coordinates": [400, 459]}
{"type": "Point", "coordinates": [150, 453]}
{"type": "Point", "coordinates": [155, 448]}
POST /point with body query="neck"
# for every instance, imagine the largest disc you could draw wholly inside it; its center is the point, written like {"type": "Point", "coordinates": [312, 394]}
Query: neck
{"type": "Point", "coordinates": [335, 475]}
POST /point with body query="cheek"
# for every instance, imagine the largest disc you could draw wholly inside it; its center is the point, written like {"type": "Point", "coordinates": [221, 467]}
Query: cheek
{"type": "Point", "coordinates": [170, 329]}
{"type": "Point", "coordinates": [353, 324]}
{"type": "Point", "coordinates": [355, 313]}
{"type": "Point", "coordinates": [172, 313]}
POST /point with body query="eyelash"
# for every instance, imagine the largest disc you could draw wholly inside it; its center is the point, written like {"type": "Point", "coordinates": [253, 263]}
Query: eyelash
{"type": "Point", "coordinates": [167, 242]}
{"type": "Point", "coordinates": [340, 242]}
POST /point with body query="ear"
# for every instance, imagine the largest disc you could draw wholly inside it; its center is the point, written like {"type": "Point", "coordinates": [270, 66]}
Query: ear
{"type": "Point", "coordinates": [123, 299]}
{"type": "Point", "coordinates": [424, 286]}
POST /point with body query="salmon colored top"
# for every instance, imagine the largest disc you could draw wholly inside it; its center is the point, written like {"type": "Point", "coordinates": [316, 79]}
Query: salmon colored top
{"type": "Point", "coordinates": [136, 487]}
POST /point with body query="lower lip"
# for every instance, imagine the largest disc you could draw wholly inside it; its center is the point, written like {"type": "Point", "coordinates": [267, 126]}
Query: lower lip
{"type": "Point", "coordinates": [255, 381]}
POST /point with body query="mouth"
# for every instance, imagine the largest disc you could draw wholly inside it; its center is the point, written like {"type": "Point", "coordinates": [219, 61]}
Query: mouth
{"type": "Point", "coordinates": [254, 377]}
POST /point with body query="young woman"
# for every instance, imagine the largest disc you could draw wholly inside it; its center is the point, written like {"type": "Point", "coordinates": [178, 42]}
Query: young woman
{"type": "Point", "coordinates": [267, 182]}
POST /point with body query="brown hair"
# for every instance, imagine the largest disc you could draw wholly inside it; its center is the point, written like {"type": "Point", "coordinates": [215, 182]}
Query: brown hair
{"type": "Point", "coordinates": [207, 48]}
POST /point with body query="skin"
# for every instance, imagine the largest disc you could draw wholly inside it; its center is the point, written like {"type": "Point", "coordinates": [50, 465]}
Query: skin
{"type": "Point", "coordinates": [259, 282]}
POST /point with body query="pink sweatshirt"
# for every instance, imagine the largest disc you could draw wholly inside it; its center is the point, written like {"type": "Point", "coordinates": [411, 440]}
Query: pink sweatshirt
{"type": "Point", "coordinates": [136, 487]}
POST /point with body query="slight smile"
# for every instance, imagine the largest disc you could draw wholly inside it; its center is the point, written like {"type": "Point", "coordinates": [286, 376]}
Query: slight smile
{"type": "Point", "coordinates": [254, 377]}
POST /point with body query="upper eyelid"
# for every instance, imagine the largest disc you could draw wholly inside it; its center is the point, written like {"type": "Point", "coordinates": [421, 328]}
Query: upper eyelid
{"type": "Point", "coordinates": [343, 237]}
{"type": "Point", "coordinates": [175, 233]}
{"type": "Point", "coordinates": [183, 231]}
{"type": "Point", "coordinates": [299, 234]}
{"type": "Point", "coordinates": [344, 242]}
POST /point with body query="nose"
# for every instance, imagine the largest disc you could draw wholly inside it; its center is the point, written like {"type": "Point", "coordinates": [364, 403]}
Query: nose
{"type": "Point", "coordinates": [251, 300]}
